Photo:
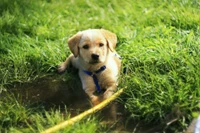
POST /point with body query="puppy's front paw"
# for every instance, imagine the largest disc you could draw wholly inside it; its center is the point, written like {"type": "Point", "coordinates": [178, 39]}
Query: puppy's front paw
{"type": "Point", "coordinates": [61, 67]}
{"type": "Point", "coordinates": [107, 94]}
{"type": "Point", "coordinates": [95, 100]}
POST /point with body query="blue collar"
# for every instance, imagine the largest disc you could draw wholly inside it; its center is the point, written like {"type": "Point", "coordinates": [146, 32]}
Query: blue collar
{"type": "Point", "coordinates": [93, 75]}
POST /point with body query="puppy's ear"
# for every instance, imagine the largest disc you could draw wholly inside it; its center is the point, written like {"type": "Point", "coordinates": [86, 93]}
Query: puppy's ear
{"type": "Point", "coordinates": [73, 43]}
{"type": "Point", "coordinates": [111, 38]}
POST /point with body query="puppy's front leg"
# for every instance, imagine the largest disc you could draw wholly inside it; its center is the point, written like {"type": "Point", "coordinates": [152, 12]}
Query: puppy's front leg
{"type": "Point", "coordinates": [65, 64]}
{"type": "Point", "coordinates": [94, 99]}
{"type": "Point", "coordinates": [112, 110]}
{"type": "Point", "coordinates": [109, 91]}
{"type": "Point", "coordinates": [89, 87]}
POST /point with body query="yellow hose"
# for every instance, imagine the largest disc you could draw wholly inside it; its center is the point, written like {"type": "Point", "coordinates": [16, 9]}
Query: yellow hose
{"type": "Point", "coordinates": [86, 113]}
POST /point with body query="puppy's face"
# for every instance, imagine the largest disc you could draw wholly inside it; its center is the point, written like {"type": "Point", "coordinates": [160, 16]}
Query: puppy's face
{"type": "Point", "coordinates": [92, 45]}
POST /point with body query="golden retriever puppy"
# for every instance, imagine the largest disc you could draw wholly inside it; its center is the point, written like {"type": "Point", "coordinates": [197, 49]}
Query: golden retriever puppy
{"type": "Point", "coordinates": [97, 61]}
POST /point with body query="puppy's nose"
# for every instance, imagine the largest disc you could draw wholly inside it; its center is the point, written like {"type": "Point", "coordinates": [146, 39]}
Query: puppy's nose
{"type": "Point", "coordinates": [95, 56]}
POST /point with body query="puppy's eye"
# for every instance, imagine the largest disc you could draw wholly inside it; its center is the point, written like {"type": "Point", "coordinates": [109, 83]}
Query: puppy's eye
{"type": "Point", "coordinates": [101, 44]}
{"type": "Point", "coordinates": [86, 47]}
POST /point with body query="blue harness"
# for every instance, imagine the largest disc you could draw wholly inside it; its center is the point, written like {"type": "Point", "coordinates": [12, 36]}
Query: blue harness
{"type": "Point", "coordinates": [93, 75]}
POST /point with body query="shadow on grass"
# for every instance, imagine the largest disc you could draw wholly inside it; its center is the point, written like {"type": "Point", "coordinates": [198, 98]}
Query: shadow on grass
{"type": "Point", "coordinates": [59, 92]}
{"type": "Point", "coordinates": [53, 93]}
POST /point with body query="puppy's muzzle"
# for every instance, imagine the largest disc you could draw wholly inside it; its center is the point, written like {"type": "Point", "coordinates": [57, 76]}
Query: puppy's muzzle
{"type": "Point", "coordinates": [95, 57]}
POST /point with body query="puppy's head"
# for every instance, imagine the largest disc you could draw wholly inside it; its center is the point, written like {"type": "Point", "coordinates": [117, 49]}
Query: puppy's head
{"type": "Point", "coordinates": [92, 45]}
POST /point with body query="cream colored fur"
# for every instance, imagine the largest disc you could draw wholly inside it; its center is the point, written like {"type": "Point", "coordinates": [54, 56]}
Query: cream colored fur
{"type": "Point", "coordinates": [101, 43]}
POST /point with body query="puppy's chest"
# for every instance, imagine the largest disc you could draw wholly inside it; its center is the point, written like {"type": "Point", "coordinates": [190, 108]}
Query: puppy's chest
{"type": "Point", "coordinates": [109, 75]}
{"type": "Point", "coordinates": [106, 78]}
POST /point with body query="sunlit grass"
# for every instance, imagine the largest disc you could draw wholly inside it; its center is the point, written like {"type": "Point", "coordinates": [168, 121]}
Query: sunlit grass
{"type": "Point", "coordinates": [16, 116]}
{"type": "Point", "coordinates": [158, 40]}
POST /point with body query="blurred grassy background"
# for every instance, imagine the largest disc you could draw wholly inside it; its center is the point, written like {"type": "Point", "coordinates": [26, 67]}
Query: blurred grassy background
{"type": "Point", "coordinates": [158, 40]}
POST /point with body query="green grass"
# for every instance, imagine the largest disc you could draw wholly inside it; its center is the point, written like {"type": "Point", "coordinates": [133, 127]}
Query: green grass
{"type": "Point", "coordinates": [18, 117]}
{"type": "Point", "coordinates": [158, 40]}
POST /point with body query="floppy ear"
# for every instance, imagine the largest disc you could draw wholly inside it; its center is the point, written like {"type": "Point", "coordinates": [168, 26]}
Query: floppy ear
{"type": "Point", "coordinates": [111, 38]}
{"type": "Point", "coordinates": [73, 43]}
